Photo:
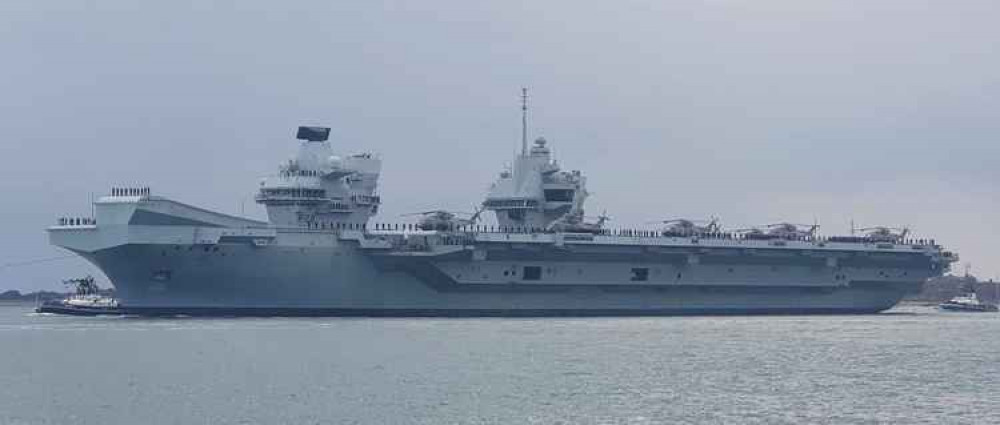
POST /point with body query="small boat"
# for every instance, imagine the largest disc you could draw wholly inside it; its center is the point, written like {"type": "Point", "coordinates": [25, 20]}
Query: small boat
{"type": "Point", "coordinates": [86, 301]}
{"type": "Point", "coordinates": [968, 302]}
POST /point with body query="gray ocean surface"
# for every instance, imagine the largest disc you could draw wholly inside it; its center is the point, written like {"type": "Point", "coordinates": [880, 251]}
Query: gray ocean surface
{"type": "Point", "coordinates": [912, 365]}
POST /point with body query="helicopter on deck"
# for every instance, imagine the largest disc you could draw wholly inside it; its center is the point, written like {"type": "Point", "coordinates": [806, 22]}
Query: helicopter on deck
{"type": "Point", "coordinates": [788, 231]}
{"type": "Point", "coordinates": [574, 222]}
{"type": "Point", "coordinates": [885, 234]}
{"type": "Point", "coordinates": [686, 227]}
{"type": "Point", "coordinates": [443, 220]}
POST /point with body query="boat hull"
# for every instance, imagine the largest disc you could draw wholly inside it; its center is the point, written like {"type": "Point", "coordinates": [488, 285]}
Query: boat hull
{"type": "Point", "coordinates": [72, 310]}
{"type": "Point", "coordinates": [165, 257]}
{"type": "Point", "coordinates": [241, 280]}
{"type": "Point", "coordinates": [968, 308]}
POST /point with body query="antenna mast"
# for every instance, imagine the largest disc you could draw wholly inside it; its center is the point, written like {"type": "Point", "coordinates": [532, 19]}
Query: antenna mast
{"type": "Point", "coordinates": [524, 121]}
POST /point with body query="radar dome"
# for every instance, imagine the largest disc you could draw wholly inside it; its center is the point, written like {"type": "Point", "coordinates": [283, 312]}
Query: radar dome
{"type": "Point", "coordinates": [335, 162]}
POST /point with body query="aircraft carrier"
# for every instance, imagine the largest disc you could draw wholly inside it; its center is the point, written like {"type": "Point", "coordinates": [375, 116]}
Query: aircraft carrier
{"type": "Point", "coordinates": [321, 253]}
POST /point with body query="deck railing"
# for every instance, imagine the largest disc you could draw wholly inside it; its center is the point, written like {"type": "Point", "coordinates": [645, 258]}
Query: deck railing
{"type": "Point", "coordinates": [620, 232]}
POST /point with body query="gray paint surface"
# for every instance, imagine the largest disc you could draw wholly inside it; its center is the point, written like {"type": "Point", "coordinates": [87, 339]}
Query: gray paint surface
{"type": "Point", "coordinates": [244, 268]}
{"type": "Point", "coordinates": [876, 111]}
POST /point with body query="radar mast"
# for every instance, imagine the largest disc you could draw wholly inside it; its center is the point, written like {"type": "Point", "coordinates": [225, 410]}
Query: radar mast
{"type": "Point", "coordinates": [524, 121]}
{"type": "Point", "coordinates": [535, 192]}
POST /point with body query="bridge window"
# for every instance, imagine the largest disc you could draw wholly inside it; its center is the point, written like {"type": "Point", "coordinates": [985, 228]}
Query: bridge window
{"type": "Point", "coordinates": [640, 274]}
{"type": "Point", "coordinates": [558, 195]}
{"type": "Point", "coordinates": [532, 273]}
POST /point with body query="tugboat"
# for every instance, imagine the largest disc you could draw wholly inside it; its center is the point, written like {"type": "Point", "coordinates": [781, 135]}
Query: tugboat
{"type": "Point", "coordinates": [86, 301]}
{"type": "Point", "coordinates": [968, 302]}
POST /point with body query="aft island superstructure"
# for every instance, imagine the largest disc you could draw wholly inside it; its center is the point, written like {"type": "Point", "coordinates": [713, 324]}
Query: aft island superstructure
{"type": "Point", "coordinates": [320, 253]}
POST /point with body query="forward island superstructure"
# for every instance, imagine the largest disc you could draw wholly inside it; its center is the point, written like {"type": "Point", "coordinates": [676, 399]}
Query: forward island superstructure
{"type": "Point", "coordinates": [320, 253]}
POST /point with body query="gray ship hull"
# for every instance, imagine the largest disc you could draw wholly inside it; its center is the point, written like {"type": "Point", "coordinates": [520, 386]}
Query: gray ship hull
{"type": "Point", "coordinates": [312, 282]}
{"type": "Point", "coordinates": [164, 257]}
{"type": "Point", "coordinates": [319, 253]}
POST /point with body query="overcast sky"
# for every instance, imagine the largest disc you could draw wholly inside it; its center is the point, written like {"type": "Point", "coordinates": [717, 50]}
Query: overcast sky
{"type": "Point", "coordinates": [755, 111]}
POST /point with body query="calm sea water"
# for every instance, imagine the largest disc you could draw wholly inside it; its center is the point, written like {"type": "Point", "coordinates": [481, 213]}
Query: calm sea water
{"type": "Point", "coordinates": [913, 365]}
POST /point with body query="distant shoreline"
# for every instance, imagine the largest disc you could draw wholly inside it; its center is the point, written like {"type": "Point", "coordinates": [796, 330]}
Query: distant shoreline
{"type": "Point", "coordinates": [16, 302]}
